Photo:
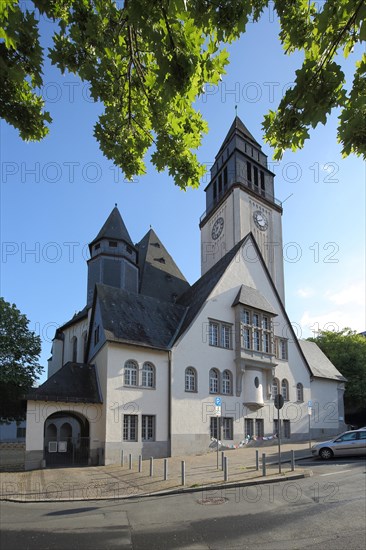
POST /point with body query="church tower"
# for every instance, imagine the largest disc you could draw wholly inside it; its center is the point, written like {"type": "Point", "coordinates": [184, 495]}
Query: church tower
{"type": "Point", "coordinates": [113, 257]}
{"type": "Point", "coordinates": [240, 199]}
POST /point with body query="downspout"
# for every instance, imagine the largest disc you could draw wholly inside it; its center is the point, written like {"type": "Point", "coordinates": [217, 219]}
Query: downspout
{"type": "Point", "coordinates": [169, 403]}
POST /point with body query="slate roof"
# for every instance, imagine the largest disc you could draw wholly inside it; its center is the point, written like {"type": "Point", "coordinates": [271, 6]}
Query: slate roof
{"type": "Point", "coordinates": [239, 127]}
{"type": "Point", "coordinates": [114, 228]}
{"type": "Point", "coordinates": [195, 297]}
{"type": "Point", "coordinates": [160, 276]}
{"type": "Point", "coordinates": [82, 314]}
{"type": "Point", "coordinates": [320, 365]}
{"type": "Point", "coordinates": [74, 382]}
{"type": "Point", "coordinates": [251, 297]}
{"type": "Point", "coordinates": [137, 319]}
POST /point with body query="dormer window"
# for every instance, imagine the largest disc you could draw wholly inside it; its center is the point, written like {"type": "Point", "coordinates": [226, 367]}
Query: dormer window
{"type": "Point", "coordinates": [160, 260]}
{"type": "Point", "coordinates": [113, 244]}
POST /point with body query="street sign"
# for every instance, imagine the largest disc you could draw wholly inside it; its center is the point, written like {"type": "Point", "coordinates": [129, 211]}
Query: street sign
{"type": "Point", "coordinates": [279, 401]}
{"type": "Point", "coordinates": [217, 411]}
{"type": "Point", "coordinates": [310, 406]}
{"type": "Point", "coordinates": [218, 401]}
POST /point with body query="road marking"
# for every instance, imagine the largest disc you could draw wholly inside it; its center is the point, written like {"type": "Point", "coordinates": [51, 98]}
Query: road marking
{"type": "Point", "coordinates": [333, 473]}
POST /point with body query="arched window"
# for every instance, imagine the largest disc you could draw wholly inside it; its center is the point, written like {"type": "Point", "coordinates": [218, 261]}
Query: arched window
{"type": "Point", "coordinates": [227, 384]}
{"type": "Point", "coordinates": [275, 387]}
{"type": "Point", "coordinates": [284, 389]}
{"type": "Point", "coordinates": [148, 375]}
{"type": "Point", "coordinates": [190, 379]}
{"type": "Point", "coordinates": [300, 392]}
{"type": "Point", "coordinates": [74, 343]}
{"type": "Point", "coordinates": [130, 374]}
{"type": "Point", "coordinates": [214, 381]}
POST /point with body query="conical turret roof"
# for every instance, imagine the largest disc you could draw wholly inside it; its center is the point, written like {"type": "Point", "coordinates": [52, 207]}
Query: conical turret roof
{"type": "Point", "coordinates": [238, 127]}
{"type": "Point", "coordinates": [114, 229]}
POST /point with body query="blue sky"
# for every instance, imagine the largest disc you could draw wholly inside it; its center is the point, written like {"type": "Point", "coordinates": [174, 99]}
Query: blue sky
{"type": "Point", "coordinates": [56, 195]}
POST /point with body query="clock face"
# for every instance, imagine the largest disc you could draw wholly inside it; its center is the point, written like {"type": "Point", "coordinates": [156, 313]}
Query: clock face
{"type": "Point", "coordinates": [217, 228]}
{"type": "Point", "coordinates": [260, 220]}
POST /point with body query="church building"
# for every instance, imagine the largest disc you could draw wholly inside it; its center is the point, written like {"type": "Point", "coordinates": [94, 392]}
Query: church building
{"type": "Point", "coordinates": [143, 367]}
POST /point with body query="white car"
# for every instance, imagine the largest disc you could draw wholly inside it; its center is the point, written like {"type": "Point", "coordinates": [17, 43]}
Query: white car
{"type": "Point", "coordinates": [346, 444]}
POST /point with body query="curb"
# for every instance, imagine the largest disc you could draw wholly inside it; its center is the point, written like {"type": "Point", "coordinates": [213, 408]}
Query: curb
{"type": "Point", "coordinates": [167, 492]}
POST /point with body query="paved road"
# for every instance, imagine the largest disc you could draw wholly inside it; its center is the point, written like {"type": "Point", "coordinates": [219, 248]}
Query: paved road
{"type": "Point", "coordinates": [324, 511]}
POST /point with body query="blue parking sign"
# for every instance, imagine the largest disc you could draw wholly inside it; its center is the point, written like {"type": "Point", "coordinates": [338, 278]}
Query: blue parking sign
{"type": "Point", "coordinates": [218, 401]}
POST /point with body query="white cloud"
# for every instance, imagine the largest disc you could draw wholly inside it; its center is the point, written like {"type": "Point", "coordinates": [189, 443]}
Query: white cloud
{"type": "Point", "coordinates": [305, 292]}
{"type": "Point", "coordinates": [351, 294]}
{"type": "Point", "coordinates": [311, 321]}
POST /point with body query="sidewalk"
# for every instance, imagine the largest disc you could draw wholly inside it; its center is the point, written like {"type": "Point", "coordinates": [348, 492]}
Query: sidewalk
{"type": "Point", "coordinates": [113, 482]}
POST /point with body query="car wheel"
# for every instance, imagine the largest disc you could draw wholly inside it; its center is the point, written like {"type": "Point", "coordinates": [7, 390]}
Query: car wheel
{"type": "Point", "coordinates": [325, 453]}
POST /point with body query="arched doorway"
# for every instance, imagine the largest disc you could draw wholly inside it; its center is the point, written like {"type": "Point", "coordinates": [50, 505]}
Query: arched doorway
{"type": "Point", "coordinates": [66, 439]}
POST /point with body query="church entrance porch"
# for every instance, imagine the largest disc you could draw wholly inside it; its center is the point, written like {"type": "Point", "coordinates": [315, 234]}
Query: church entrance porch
{"type": "Point", "coordinates": [66, 440]}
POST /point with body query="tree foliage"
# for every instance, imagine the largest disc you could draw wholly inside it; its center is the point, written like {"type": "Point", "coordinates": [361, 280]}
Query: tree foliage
{"type": "Point", "coordinates": [147, 63]}
{"type": "Point", "coordinates": [347, 351]}
{"type": "Point", "coordinates": [19, 367]}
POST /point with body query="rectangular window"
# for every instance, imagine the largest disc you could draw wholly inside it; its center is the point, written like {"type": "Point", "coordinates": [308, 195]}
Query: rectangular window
{"type": "Point", "coordinates": [227, 428]}
{"type": "Point", "coordinates": [246, 338]}
{"type": "Point", "coordinates": [148, 428]}
{"type": "Point", "coordinates": [113, 244]}
{"type": "Point", "coordinates": [249, 427]}
{"type": "Point", "coordinates": [256, 340]}
{"type": "Point", "coordinates": [266, 342]}
{"type": "Point", "coordinates": [281, 350]}
{"type": "Point", "coordinates": [246, 317]}
{"type": "Point", "coordinates": [249, 171]}
{"type": "Point", "coordinates": [225, 177]}
{"type": "Point", "coordinates": [214, 421]}
{"type": "Point", "coordinates": [214, 334]}
{"type": "Point", "coordinates": [220, 334]}
{"type": "Point", "coordinates": [275, 426]}
{"type": "Point", "coordinates": [263, 188]}
{"type": "Point", "coordinates": [226, 336]}
{"type": "Point", "coordinates": [259, 427]}
{"type": "Point", "coordinates": [256, 331]}
{"type": "Point", "coordinates": [220, 184]}
{"type": "Point", "coordinates": [255, 320]}
{"type": "Point", "coordinates": [255, 171]}
{"type": "Point", "coordinates": [130, 427]}
{"type": "Point", "coordinates": [215, 190]}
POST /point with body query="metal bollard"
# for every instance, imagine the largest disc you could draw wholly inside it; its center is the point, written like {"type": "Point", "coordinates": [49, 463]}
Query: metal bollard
{"type": "Point", "coordinates": [140, 464]}
{"type": "Point", "coordinates": [165, 469]}
{"type": "Point", "coordinates": [226, 469]}
{"type": "Point", "coordinates": [122, 458]}
{"type": "Point", "coordinates": [264, 464]}
{"type": "Point", "coordinates": [183, 472]}
{"type": "Point", "coordinates": [257, 460]}
{"type": "Point", "coordinates": [222, 460]}
{"type": "Point", "coordinates": [151, 466]}
{"type": "Point", "coordinates": [130, 461]}
{"type": "Point", "coordinates": [292, 460]}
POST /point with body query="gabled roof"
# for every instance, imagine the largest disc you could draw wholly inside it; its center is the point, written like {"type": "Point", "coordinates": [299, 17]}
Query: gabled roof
{"type": "Point", "coordinates": [320, 365]}
{"type": "Point", "coordinates": [160, 276]}
{"type": "Point", "coordinates": [74, 383]}
{"type": "Point", "coordinates": [82, 314]}
{"type": "Point", "coordinates": [137, 319]}
{"type": "Point", "coordinates": [251, 297]}
{"type": "Point", "coordinates": [238, 127]}
{"type": "Point", "coordinates": [195, 297]}
{"type": "Point", "coordinates": [114, 228]}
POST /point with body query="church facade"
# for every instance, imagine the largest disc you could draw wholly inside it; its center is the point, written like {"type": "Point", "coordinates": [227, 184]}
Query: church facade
{"type": "Point", "coordinates": [142, 367]}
